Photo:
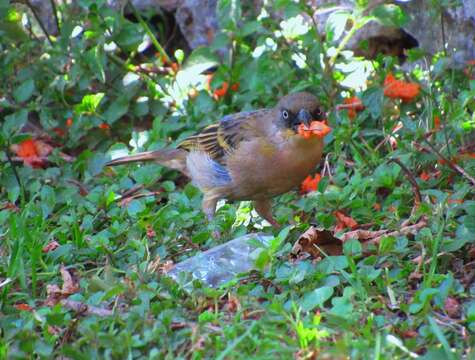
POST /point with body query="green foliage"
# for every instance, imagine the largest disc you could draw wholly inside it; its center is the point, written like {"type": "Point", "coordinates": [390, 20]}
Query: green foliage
{"type": "Point", "coordinates": [97, 92]}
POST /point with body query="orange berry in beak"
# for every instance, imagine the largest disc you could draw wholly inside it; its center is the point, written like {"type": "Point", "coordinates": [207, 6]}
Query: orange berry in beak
{"type": "Point", "coordinates": [317, 128]}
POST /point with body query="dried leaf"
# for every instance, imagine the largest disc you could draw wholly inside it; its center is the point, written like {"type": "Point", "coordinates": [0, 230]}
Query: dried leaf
{"type": "Point", "coordinates": [452, 307]}
{"type": "Point", "coordinates": [70, 284]}
{"type": "Point", "coordinates": [409, 334]}
{"type": "Point", "coordinates": [50, 247]}
{"type": "Point", "coordinates": [54, 295]}
{"type": "Point", "coordinates": [344, 221]}
{"type": "Point", "coordinates": [322, 238]}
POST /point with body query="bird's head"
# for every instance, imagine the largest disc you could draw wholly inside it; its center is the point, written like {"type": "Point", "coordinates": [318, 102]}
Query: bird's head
{"type": "Point", "coordinates": [299, 108]}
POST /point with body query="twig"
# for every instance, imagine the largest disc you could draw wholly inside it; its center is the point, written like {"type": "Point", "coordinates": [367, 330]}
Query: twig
{"type": "Point", "coordinates": [326, 167]}
{"type": "Point", "coordinates": [404, 231]}
{"type": "Point", "coordinates": [55, 14]}
{"type": "Point", "coordinates": [65, 157]}
{"type": "Point", "coordinates": [85, 308]}
{"type": "Point", "coordinates": [5, 282]}
{"type": "Point", "coordinates": [82, 188]}
{"type": "Point", "coordinates": [374, 237]}
{"type": "Point", "coordinates": [469, 147]}
{"type": "Point", "coordinates": [411, 178]}
{"type": "Point", "coordinates": [15, 172]}
{"type": "Point", "coordinates": [133, 190]}
{"type": "Point", "coordinates": [453, 166]}
{"type": "Point", "coordinates": [362, 234]}
{"type": "Point", "coordinates": [125, 200]}
{"type": "Point", "coordinates": [442, 28]}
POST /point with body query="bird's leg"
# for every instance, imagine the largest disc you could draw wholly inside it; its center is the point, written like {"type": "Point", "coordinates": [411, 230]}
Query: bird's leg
{"type": "Point", "coordinates": [209, 208]}
{"type": "Point", "coordinates": [264, 209]}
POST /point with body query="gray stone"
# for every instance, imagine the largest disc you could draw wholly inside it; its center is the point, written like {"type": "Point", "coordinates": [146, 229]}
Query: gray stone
{"type": "Point", "coordinates": [459, 28]}
{"type": "Point", "coordinates": [45, 13]}
{"type": "Point", "coordinates": [167, 5]}
{"type": "Point", "coordinates": [424, 26]}
{"type": "Point", "coordinates": [197, 21]}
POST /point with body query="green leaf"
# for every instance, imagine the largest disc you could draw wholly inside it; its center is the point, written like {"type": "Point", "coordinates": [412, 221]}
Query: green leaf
{"type": "Point", "coordinates": [200, 59]}
{"type": "Point", "coordinates": [23, 92]}
{"type": "Point", "coordinates": [352, 248]}
{"type": "Point", "coordinates": [469, 223]}
{"type": "Point", "coordinates": [390, 15]}
{"type": "Point", "coordinates": [469, 219]}
{"type": "Point", "coordinates": [373, 100]}
{"type": "Point", "coordinates": [116, 110]}
{"type": "Point", "coordinates": [96, 163]}
{"type": "Point", "coordinates": [16, 139]}
{"type": "Point", "coordinates": [228, 13]}
{"type": "Point", "coordinates": [89, 103]}
{"type": "Point", "coordinates": [14, 122]}
{"type": "Point", "coordinates": [135, 207]}
{"type": "Point", "coordinates": [316, 298]}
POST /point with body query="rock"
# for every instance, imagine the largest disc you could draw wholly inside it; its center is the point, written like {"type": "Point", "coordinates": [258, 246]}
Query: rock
{"type": "Point", "coordinates": [197, 21]}
{"type": "Point", "coordinates": [45, 13]}
{"type": "Point", "coordinates": [141, 5]}
{"type": "Point", "coordinates": [459, 28]}
{"type": "Point", "coordinates": [423, 30]}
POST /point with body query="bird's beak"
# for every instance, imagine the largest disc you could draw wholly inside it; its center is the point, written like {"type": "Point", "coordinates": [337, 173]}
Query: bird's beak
{"type": "Point", "coordinates": [304, 117]}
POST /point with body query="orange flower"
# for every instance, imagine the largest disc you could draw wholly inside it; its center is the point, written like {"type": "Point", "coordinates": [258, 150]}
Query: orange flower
{"type": "Point", "coordinates": [104, 126]}
{"type": "Point", "coordinates": [221, 91]}
{"type": "Point", "coordinates": [310, 183]}
{"type": "Point", "coordinates": [377, 206]}
{"type": "Point", "coordinates": [436, 123]}
{"type": "Point", "coordinates": [425, 176]}
{"type": "Point", "coordinates": [398, 89]}
{"type": "Point", "coordinates": [31, 151]}
{"type": "Point", "coordinates": [175, 67]}
{"type": "Point", "coordinates": [353, 104]}
{"type": "Point", "coordinates": [27, 149]}
{"type": "Point", "coordinates": [235, 87]}
{"type": "Point", "coordinates": [69, 122]}
{"type": "Point", "coordinates": [60, 132]}
{"type": "Point", "coordinates": [465, 155]}
{"type": "Point", "coordinates": [316, 128]}
{"type": "Point", "coordinates": [23, 307]}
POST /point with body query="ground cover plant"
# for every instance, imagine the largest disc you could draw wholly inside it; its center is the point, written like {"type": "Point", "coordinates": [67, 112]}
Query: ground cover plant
{"type": "Point", "coordinates": [376, 255]}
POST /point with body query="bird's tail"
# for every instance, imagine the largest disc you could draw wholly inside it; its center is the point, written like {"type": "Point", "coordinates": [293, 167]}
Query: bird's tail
{"type": "Point", "coordinates": [171, 158]}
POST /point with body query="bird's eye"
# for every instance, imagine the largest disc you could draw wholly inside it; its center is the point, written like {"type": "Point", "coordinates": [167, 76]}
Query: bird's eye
{"type": "Point", "coordinates": [318, 112]}
{"type": "Point", "coordinates": [285, 114]}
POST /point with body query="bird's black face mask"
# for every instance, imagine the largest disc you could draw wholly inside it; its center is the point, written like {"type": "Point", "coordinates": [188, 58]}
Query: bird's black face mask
{"type": "Point", "coordinates": [292, 121]}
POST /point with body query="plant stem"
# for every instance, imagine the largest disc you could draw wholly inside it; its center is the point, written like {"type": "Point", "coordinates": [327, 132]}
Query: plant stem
{"type": "Point", "coordinates": [15, 173]}
{"type": "Point", "coordinates": [55, 14]}
{"type": "Point", "coordinates": [149, 32]}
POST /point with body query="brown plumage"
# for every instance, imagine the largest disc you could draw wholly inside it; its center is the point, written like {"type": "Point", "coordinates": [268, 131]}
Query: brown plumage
{"type": "Point", "coordinates": [247, 156]}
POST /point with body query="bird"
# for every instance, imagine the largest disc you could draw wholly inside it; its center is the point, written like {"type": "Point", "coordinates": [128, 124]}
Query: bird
{"type": "Point", "coordinates": [252, 155]}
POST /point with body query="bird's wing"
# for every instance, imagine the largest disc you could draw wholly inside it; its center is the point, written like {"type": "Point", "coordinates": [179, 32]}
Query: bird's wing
{"type": "Point", "coordinates": [219, 140]}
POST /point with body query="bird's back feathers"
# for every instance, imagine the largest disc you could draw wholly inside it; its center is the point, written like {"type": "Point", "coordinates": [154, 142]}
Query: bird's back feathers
{"type": "Point", "coordinates": [222, 138]}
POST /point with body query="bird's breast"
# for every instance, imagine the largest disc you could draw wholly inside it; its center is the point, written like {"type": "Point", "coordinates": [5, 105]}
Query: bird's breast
{"type": "Point", "coordinates": [262, 169]}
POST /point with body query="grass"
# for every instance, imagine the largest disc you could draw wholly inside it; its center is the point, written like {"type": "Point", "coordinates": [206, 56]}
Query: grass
{"type": "Point", "coordinates": [83, 258]}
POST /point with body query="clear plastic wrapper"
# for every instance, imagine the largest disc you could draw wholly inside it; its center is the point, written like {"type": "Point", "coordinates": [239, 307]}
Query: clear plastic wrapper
{"type": "Point", "coordinates": [222, 263]}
